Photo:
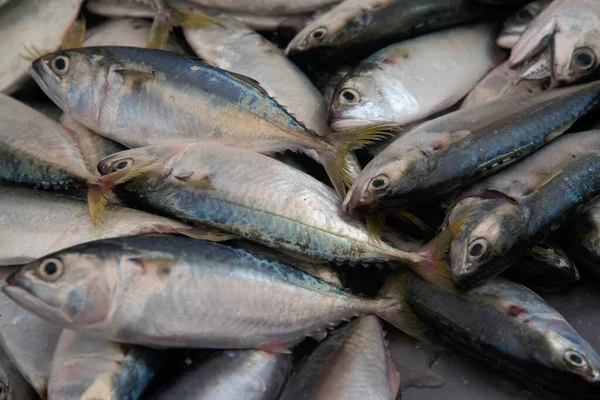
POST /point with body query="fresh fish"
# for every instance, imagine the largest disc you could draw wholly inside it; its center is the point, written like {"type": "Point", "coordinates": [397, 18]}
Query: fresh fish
{"type": "Point", "coordinates": [510, 211]}
{"type": "Point", "coordinates": [515, 25]}
{"type": "Point", "coordinates": [244, 193]}
{"type": "Point", "coordinates": [549, 253]}
{"type": "Point", "coordinates": [510, 326]}
{"type": "Point", "coordinates": [36, 223]}
{"type": "Point", "coordinates": [232, 375]}
{"type": "Point", "coordinates": [237, 48]}
{"type": "Point", "coordinates": [352, 363]}
{"type": "Point", "coordinates": [362, 26]}
{"type": "Point", "coordinates": [169, 98]}
{"type": "Point", "coordinates": [37, 151]}
{"type": "Point", "coordinates": [200, 294]}
{"type": "Point", "coordinates": [500, 82]}
{"type": "Point", "coordinates": [12, 384]}
{"type": "Point", "coordinates": [406, 81]}
{"type": "Point", "coordinates": [584, 239]}
{"type": "Point", "coordinates": [31, 26]}
{"type": "Point", "coordinates": [542, 276]}
{"type": "Point", "coordinates": [29, 343]}
{"type": "Point", "coordinates": [460, 148]}
{"type": "Point", "coordinates": [571, 31]}
{"type": "Point", "coordinates": [85, 367]}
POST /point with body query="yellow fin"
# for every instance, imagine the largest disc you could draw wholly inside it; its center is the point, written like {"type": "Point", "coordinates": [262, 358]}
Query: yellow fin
{"type": "Point", "coordinates": [543, 179]}
{"type": "Point", "coordinates": [375, 226]}
{"type": "Point", "coordinates": [167, 18]}
{"type": "Point", "coordinates": [161, 266]}
{"type": "Point", "coordinates": [76, 35]}
{"type": "Point", "coordinates": [211, 236]}
{"type": "Point", "coordinates": [412, 218]}
{"type": "Point", "coordinates": [201, 182]}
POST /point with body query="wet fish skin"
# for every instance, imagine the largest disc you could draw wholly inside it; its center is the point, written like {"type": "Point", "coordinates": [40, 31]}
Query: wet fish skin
{"type": "Point", "coordinates": [352, 363]}
{"type": "Point", "coordinates": [529, 195]}
{"type": "Point", "coordinates": [365, 26]}
{"type": "Point", "coordinates": [36, 223]}
{"type": "Point", "coordinates": [507, 324]}
{"type": "Point", "coordinates": [572, 27]}
{"type": "Point", "coordinates": [583, 242]}
{"type": "Point", "coordinates": [517, 23]}
{"type": "Point", "coordinates": [86, 367]}
{"type": "Point", "coordinates": [106, 288]}
{"type": "Point", "coordinates": [541, 276]}
{"type": "Point", "coordinates": [393, 85]}
{"type": "Point", "coordinates": [232, 375]}
{"type": "Point", "coordinates": [31, 24]}
{"type": "Point", "coordinates": [435, 158]}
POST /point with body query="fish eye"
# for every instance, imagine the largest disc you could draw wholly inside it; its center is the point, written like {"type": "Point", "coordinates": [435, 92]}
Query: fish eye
{"type": "Point", "coordinates": [584, 59]}
{"type": "Point", "coordinates": [349, 96]}
{"type": "Point", "coordinates": [575, 359]}
{"type": "Point", "coordinates": [121, 164]}
{"type": "Point", "coordinates": [380, 182]}
{"type": "Point", "coordinates": [479, 248]}
{"type": "Point", "coordinates": [318, 34]}
{"type": "Point", "coordinates": [3, 391]}
{"type": "Point", "coordinates": [60, 65]}
{"type": "Point", "coordinates": [51, 269]}
{"type": "Point", "coordinates": [524, 15]}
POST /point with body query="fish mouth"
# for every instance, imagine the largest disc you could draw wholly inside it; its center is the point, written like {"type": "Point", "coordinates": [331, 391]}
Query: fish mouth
{"type": "Point", "coordinates": [44, 78]}
{"type": "Point", "coordinates": [508, 40]}
{"type": "Point", "coordinates": [342, 124]}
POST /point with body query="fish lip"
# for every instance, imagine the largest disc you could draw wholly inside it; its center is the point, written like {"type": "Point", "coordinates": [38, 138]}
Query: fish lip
{"type": "Point", "coordinates": [509, 41]}
{"type": "Point", "coordinates": [341, 124]}
{"type": "Point", "coordinates": [38, 71]}
{"type": "Point", "coordinates": [27, 300]}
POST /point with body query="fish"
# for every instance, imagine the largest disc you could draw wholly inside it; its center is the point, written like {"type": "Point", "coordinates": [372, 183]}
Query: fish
{"type": "Point", "coordinates": [170, 98]}
{"type": "Point", "coordinates": [36, 223]}
{"type": "Point", "coordinates": [201, 294]}
{"type": "Point", "coordinates": [28, 341]}
{"type": "Point", "coordinates": [509, 212]}
{"type": "Point", "coordinates": [12, 384]}
{"type": "Point", "coordinates": [551, 254]}
{"type": "Point", "coordinates": [583, 239]}
{"type": "Point", "coordinates": [44, 153]}
{"type": "Point", "coordinates": [238, 49]}
{"type": "Point", "coordinates": [28, 27]}
{"type": "Point", "coordinates": [355, 28]}
{"type": "Point", "coordinates": [541, 276]}
{"type": "Point", "coordinates": [406, 82]}
{"type": "Point", "coordinates": [539, 67]}
{"type": "Point", "coordinates": [514, 26]}
{"type": "Point", "coordinates": [570, 29]}
{"type": "Point", "coordinates": [459, 148]}
{"type": "Point", "coordinates": [509, 326]}
{"type": "Point", "coordinates": [231, 375]}
{"type": "Point", "coordinates": [85, 367]}
{"type": "Point", "coordinates": [500, 82]}
{"type": "Point", "coordinates": [352, 363]}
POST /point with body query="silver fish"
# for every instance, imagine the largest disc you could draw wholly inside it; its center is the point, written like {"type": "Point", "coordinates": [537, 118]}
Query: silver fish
{"type": "Point", "coordinates": [515, 25]}
{"type": "Point", "coordinates": [353, 363]}
{"type": "Point", "coordinates": [231, 375]}
{"type": "Point", "coordinates": [200, 294]}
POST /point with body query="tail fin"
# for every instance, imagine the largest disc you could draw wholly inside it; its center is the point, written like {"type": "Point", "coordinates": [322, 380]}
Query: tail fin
{"type": "Point", "coordinates": [336, 161]}
{"type": "Point", "coordinates": [402, 317]}
{"type": "Point", "coordinates": [166, 18]}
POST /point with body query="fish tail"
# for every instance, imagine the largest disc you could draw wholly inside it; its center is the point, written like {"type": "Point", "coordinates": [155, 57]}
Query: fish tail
{"type": "Point", "coordinates": [76, 35]}
{"type": "Point", "coordinates": [167, 18]}
{"type": "Point", "coordinates": [336, 162]}
{"type": "Point", "coordinates": [401, 316]}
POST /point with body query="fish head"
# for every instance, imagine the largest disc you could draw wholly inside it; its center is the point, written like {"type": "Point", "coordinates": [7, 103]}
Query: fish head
{"type": "Point", "coordinates": [492, 227]}
{"type": "Point", "coordinates": [516, 24]}
{"type": "Point", "coordinates": [69, 288]}
{"type": "Point", "coordinates": [576, 55]}
{"type": "Point", "coordinates": [363, 97]}
{"type": "Point", "coordinates": [76, 80]}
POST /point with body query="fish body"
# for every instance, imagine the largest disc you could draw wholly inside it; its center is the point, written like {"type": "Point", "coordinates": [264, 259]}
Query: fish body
{"type": "Point", "coordinates": [36, 223]}
{"type": "Point", "coordinates": [231, 375]}
{"type": "Point", "coordinates": [570, 29]}
{"type": "Point", "coordinates": [517, 23]}
{"type": "Point", "coordinates": [86, 367]}
{"type": "Point", "coordinates": [509, 325]}
{"type": "Point", "coordinates": [528, 201]}
{"type": "Point", "coordinates": [414, 79]}
{"type": "Point", "coordinates": [352, 363]}
{"type": "Point", "coordinates": [436, 157]}
{"type": "Point", "coordinates": [201, 295]}
{"type": "Point", "coordinates": [237, 48]}
{"type": "Point", "coordinates": [31, 25]}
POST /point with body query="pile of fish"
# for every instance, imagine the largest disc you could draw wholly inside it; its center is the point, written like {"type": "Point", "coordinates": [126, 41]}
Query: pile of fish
{"type": "Point", "coordinates": [190, 209]}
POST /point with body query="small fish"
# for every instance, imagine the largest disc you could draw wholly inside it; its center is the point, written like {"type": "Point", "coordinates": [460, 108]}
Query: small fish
{"type": "Point", "coordinates": [231, 375]}
{"type": "Point", "coordinates": [353, 363]}
{"type": "Point", "coordinates": [28, 27]}
{"type": "Point", "coordinates": [570, 29]}
{"type": "Point", "coordinates": [515, 25]}
{"type": "Point", "coordinates": [500, 82]}
{"type": "Point", "coordinates": [460, 148]}
{"type": "Point", "coordinates": [583, 239]}
{"type": "Point", "coordinates": [201, 295]}
{"type": "Point", "coordinates": [44, 153]}
{"type": "Point", "coordinates": [542, 276]}
{"type": "Point", "coordinates": [12, 384]}
{"type": "Point", "coordinates": [551, 254]}
{"type": "Point", "coordinates": [85, 367]}
{"type": "Point", "coordinates": [510, 211]}
{"type": "Point", "coordinates": [356, 28]}
{"type": "Point", "coordinates": [414, 79]}
{"type": "Point", "coordinates": [510, 326]}
{"type": "Point", "coordinates": [170, 98]}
